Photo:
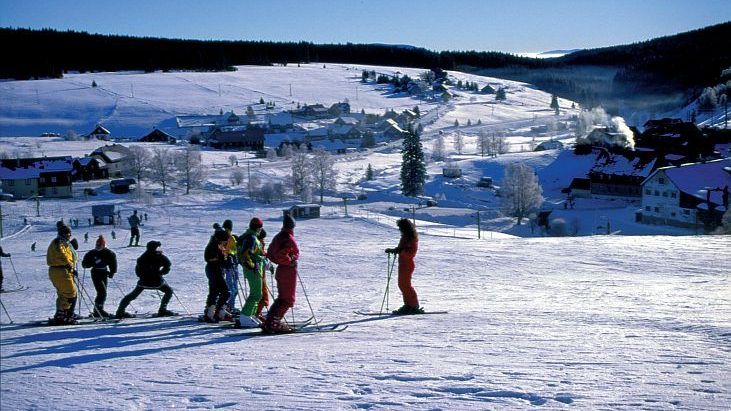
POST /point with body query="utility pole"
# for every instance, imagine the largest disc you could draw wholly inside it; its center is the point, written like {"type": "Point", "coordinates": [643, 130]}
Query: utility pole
{"type": "Point", "coordinates": [345, 202]}
{"type": "Point", "coordinates": [290, 89]}
{"type": "Point", "coordinates": [1, 221]}
{"type": "Point", "coordinates": [248, 171]}
{"type": "Point", "coordinates": [132, 90]}
{"type": "Point", "coordinates": [356, 92]}
{"type": "Point", "coordinates": [38, 206]}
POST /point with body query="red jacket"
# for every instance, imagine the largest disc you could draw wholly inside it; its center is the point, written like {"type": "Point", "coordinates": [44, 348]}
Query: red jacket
{"type": "Point", "coordinates": [283, 249]}
{"type": "Point", "coordinates": [407, 249]}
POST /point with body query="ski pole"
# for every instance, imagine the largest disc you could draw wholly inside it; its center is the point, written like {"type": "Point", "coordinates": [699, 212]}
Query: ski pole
{"type": "Point", "coordinates": [240, 290]}
{"type": "Point", "coordinates": [81, 294]}
{"type": "Point", "coordinates": [6, 311]}
{"type": "Point", "coordinates": [181, 303]}
{"type": "Point", "coordinates": [304, 291]}
{"type": "Point", "coordinates": [17, 277]}
{"type": "Point", "coordinates": [111, 280]}
{"type": "Point", "coordinates": [389, 266]}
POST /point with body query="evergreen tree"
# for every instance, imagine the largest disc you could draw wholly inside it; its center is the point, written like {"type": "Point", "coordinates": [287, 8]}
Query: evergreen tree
{"type": "Point", "coordinates": [364, 76]}
{"type": "Point", "coordinates": [456, 123]}
{"type": "Point", "coordinates": [369, 172]}
{"type": "Point", "coordinates": [500, 94]}
{"type": "Point", "coordinates": [413, 170]}
{"type": "Point", "coordinates": [93, 83]}
{"type": "Point", "coordinates": [417, 111]}
{"type": "Point", "coordinates": [261, 100]}
{"type": "Point", "coordinates": [554, 102]}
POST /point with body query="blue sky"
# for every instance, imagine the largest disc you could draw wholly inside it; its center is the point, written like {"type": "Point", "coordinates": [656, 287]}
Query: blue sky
{"type": "Point", "coordinates": [509, 25]}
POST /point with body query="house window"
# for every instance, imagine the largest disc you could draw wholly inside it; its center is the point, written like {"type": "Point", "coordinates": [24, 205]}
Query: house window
{"type": "Point", "coordinates": [657, 193]}
{"type": "Point", "coordinates": [54, 191]}
{"type": "Point", "coordinates": [657, 209]}
{"type": "Point", "coordinates": [648, 192]}
{"type": "Point", "coordinates": [43, 180]}
{"type": "Point", "coordinates": [672, 214]}
{"type": "Point", "coordinates": [28, 181]}
{"type": "Point", "coordinates": [673, 194]}
{"type": "Point", "coordinates": [53, 179]}
{"type": "Point", "coordinates": [661, 180]}
{"type": "Point", "coordinates": [11, 183]}
{"type": "Point", "coordinates": [686, 212]}
{"type": "Point", "coordinates": [664, 193]}
{"type": "Point", "coordinates": [647, 208]}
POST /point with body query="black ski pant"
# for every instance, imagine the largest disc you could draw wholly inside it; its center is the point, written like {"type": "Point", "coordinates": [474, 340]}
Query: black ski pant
{"type": "Point", "coordinates": [165, 288]}
{"type": "Point", "coordinates": [134, 234]}
{"type": "Point", "coordinates": [100, 278]}
{"type": "Point", "coordinates": [218, 292]}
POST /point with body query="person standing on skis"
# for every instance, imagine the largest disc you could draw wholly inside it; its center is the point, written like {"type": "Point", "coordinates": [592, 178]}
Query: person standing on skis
{"type": "Point", "coordinates": [61, 261]}
{"type": "Point", "coordinates": [151, 266]}
{"type": "Point", "coordinates": [230, 267]}
{"type": "Point", "coordinates": [134, 229]}
{"type": "Point", "coordinates": [284, 252]}
{"type": "Point", "coordinates": [251, 255]}
{"type": "Point", "coordinates": [103, 264]}
{"type": "Point", "coordinates": [406, 250]}
{"type": "Point", "coordinates": [2, 254]}
{"type": "Point", "coordinates": [264, 265]}
{"type": "Point", "coordinates": [218, 293]}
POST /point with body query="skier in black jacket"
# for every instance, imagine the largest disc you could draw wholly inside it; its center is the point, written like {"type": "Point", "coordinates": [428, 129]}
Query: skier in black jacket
{"type": "Point", "coordinates": [151, 266]}
{"type": "Point", "coordinates": [2, 254]}
{"type": "Point", "coordinates": [103, 264]}
{"type": "Point", "coordinates": [218, 292]}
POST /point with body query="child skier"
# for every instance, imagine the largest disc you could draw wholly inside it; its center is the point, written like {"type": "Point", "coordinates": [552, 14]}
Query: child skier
{"type": "Point", "coordinates": [61, 261]}
{"type": "Point", "coordinates": [134, 229]}
{"type": "Point", "coordinates": [2, 254]}
{"type": "Point", "coordinates": [251, 255]}
{"type": "Point", "coordinates": [231, 267]}
{"type": "Point", "coordinates": [151, 266]}
{"type": "Point", "coordinates": [406, 250]}
{"type": "Point", "coordinates": [215, 256]}
{"type": "Point", "coordinates": [284, 252]}
{"type": "Point", "coordinates": [103, 264]}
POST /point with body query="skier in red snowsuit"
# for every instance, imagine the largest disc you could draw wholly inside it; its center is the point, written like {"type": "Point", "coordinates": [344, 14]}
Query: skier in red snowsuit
{"type": "Point", "coordinates": [406, 250]}
{"type": "Point", "coordinates": [283, 251]}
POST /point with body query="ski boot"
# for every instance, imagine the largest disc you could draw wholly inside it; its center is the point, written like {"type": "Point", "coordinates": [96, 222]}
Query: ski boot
{"type": "Point", "coordinates": [276, 326]}
{"type": "Point", "coordinates": [209, 315]}
{"type": "Point", "coordinates": [164, 312]}
{"type": "Point", "coordinates": [123, 314]}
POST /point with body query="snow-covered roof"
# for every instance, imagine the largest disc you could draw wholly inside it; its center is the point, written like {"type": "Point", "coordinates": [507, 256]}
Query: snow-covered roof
{"type": "Point", "coordinates": [347, 121]}
{"type": "Point", "coordinates": [614, 164]}
{"type": "Point", "coordinates": [281, 119]}
{"type": "Point", "coordinates": [100, 130]}
{"type": "Point", "coordinates": [318, 132]}
{"type": "Point", "coordinates": [33, 167]}
{"type": "Point", "coordinates": [18, 173]}
{"type": "Point", "coordinates": [328, 145]}
{"type": "Point", "coordinates": [695, 178]}
{"type": "Point", "coordinates": [275, 139]}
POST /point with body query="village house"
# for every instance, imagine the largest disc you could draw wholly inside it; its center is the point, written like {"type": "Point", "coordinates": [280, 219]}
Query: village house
{"type": "Point", "coordinates": [392, 131]}
{"type": "Point", "coordinates": [158, 136]}
{"type": "Point", "coordinates": [99, 133]}
{"type": "Point", "coordinates": [314, 111]}
{"type": "Point", "coordinates": [619, 176]}
{"type": "Point", "coordinates": [250, 138]}
{"type": "Point", "coordinates": [332, 146]}
{"type": "Point", "coordinates": [89, 168]}
{"type": "Point", "coordinates": [687, 195]}
{"type": "Point", "coordinates": [117, 157]}
{"type": "Point", "coordinates": [280, 122]}
{"type": "Point", "coordinates": [30, 177]}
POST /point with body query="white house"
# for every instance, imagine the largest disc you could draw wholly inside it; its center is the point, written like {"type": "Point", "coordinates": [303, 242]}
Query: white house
{"type": "Point", "coordinates": [683, 195]}
{"type": "Point", "coordinates": [100, 133]}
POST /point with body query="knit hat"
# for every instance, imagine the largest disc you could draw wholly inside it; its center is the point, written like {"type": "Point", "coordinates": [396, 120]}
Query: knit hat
{"type": "Point", "coordinates": [101, 242]}
{"type": "Point", "coordinates": [289, 222]}
{"type": "Point", "coordinates": [228, 225]}
{"type": "Point", "coordinates": [63, 229]}
{"type": "Point", "coordinates": [255, 224]}
{"type": "Point", "coordinates": [152, 245]}
{"type": "Point", "coordinates": [221, 235]}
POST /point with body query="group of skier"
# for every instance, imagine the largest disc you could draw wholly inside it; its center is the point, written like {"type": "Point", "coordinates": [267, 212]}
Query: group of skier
{"type": "Point", "coordinates": [223, 254]}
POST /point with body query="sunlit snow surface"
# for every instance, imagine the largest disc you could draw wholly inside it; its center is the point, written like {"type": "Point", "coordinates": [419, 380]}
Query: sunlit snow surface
{"type": "Point", "coordinates": [593, 322]}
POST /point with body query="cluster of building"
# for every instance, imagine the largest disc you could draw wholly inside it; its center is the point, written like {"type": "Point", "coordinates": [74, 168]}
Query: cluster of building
{"type": "Point", "coordinates": [333, 128]}
{"type": "Point", "coordinates": [53, 176]}
{"type": "Point", "coordinates": [679, 173]}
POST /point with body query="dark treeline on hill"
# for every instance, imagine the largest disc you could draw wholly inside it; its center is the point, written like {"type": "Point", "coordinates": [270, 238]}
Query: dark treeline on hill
{"type": "Point", "coordinates": [50, 53]}
{"type": "Point", "coordinates": [661, 73]}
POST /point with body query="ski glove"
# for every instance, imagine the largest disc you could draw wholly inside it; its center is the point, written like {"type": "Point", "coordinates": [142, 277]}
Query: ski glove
{"type": "Point", "coordinates": [390, 251]}
{"type": "Point", "coordinates": [76, 273]}
{"type": "Point", "coordinates": [110, 275]}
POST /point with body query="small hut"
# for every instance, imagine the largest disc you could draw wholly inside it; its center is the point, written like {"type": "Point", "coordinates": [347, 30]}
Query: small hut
{"type": "Point", "coordinates": [122, 185]}
{"type": "Point", "coordinates": [303, 211]}
{"type": "Point", "coordinates": [103, 214]}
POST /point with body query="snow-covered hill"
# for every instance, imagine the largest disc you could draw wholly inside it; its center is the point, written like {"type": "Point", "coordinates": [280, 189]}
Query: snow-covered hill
{"type": "Point", "coordinates": [130, 104]}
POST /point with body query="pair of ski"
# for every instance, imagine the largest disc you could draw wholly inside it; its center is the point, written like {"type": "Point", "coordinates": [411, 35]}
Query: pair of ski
{"type": "Point", "coordinates": [392, 315]}
{"type": "Point", "coordinates": [93, 320]}
{"type": "Point", "coordinates": [308, 326]}
{"type": "Point", "coordinates": [12, 290]}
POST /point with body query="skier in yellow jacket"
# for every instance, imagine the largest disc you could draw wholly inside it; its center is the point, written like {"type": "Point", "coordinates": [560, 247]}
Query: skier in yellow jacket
{"type": "Point", "coordinates": [61, 261]}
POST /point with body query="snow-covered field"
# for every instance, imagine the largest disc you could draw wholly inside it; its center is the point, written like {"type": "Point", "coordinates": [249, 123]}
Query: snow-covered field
{"type": "Point", "coordinates": [603, 322]}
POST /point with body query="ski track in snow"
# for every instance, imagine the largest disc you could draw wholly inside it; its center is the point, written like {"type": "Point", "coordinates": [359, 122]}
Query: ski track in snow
{"type": "Point", "coordinates": [592, 322]}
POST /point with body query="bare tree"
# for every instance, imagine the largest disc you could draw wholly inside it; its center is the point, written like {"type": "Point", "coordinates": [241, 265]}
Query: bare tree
{"type": "Point", "coordinates": [323, 171]}
{"type": "Point", "coordinates": [189, 166]}
{"type": "Point", "coordinates": [232, 159]}
{"type": "Point", "coordinates": [300, 176]}
{"type": "Point", "coordinates": [237, 177]}
{"type": "Point", "coordinates": [483, 143]}
{"type": "Point", "coordinates": [267, 192]}
{"type": "Point", "coordinates": [520, 191]}
{"type": "Point", "coordinates": [437, 153]}
{"type": "Point", "coordinates": [287, 151]}
{"type": "Point", "coordinates": [271, 154]}
{"type": "Point", "coordinates": [162, 166]}
{"type": "Point", "coordinates": [458, 143]}
{"type": "Point", "coordinates": [140, 162]}
{"type": "Point", "coordinates": [254, 184]}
